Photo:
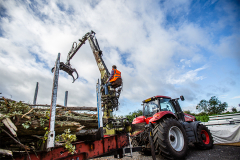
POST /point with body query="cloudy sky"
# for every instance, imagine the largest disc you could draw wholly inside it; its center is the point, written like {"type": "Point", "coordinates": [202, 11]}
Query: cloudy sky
{"type": "Point", "coordinates": [171, 48]}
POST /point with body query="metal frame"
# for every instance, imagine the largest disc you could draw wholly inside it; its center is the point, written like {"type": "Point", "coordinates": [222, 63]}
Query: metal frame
{"type": "Point", "coordinates": [35, 95]}
{"type": "Point", "coordinates": [66, 98]}
{"type": "Point", "coordinates": [99, 109]}
{"type": "Point", "coordinates": [51, 135]}
{"type": "Point", "coordinates": [84, 150]}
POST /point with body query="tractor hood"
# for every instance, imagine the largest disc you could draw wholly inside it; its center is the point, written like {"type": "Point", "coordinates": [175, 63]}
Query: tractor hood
{"type": "Point", "coordinates": [140, 119]}
{"type": "Point", "coordinates": [159, 115]}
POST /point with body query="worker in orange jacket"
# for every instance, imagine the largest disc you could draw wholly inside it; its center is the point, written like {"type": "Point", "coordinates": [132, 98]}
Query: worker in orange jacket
{"type": "Point", "coordinates": [114, 79]}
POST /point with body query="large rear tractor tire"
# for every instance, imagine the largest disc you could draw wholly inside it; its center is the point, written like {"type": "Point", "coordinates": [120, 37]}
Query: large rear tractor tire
{"type": "Point", "coordinates": [205, 138]}
{"type": "Point", "coordinates": [170, 139]}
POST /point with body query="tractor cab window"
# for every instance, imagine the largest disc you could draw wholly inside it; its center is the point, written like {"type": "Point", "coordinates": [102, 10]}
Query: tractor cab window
{"type": "Point", "coordinates": [150, 108]}
{"type": "Point", "coordinates": [166, 105]}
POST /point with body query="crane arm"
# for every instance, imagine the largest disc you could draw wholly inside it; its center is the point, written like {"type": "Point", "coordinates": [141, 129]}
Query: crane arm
{"type": "Point", "coordinates": [98, 57]}
{"type": "Point", "coordinates": [90, 36]}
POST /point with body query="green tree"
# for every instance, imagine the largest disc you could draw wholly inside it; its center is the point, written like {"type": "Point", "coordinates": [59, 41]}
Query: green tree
{"type": "Point", "coordinates": [234, 109]}
{"type": "Point", "coordinates": [134, 114]}
{"type": "Point", "coordinates": [213, 106]}
{"type": "Point", "coordinates": [189, 112]}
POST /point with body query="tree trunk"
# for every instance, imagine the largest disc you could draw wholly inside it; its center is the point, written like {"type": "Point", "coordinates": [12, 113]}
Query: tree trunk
{"type": "Point", "coordinates": [36, 129]}
{"type": "Point", "coordinates": [88, 123]}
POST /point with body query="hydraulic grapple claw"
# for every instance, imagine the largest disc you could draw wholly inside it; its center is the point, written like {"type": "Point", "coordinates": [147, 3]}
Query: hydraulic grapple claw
{"type": "Point", "coordinates": [74, 79]}
{"type": "Point", "coordinates": [68, 69]}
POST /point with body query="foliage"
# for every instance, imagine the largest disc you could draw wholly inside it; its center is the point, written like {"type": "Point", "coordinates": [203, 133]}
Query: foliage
{"type": "Point", "coordinates": [26, 125]}
{"type": "Point", "coordinates": [42, 121]}
{"type": "Point", "coordinates": [189, 112]}
{"type": "Point", "coordinates": [117, 117]}
{"type": "Point", "coordinates": [29, 116]}
{"type": "Point", "coordinates": [234, 109]}
{"type": "Point", "coordinates": [202, 114]}
{"type": "Point", "coordinates": [134, 114]}
{"type": "Point", "coordinates": [203, 118]}
{"type": "Point", "coordinates": [13, 108]}
{"type": "Point", "coordinates": [67, 138]}
{"type": "Point", "coordinates": [45, 137]}
{"type": "Point", "coordinates": [213, 106]}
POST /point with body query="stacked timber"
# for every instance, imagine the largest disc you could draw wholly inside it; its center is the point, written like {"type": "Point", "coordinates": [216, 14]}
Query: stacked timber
{"type": "Point", "coordinates": [23, 127]}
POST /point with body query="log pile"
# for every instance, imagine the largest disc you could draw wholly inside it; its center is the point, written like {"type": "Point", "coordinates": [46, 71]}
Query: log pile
{"type": "Point", "coordinates": [24, 128]}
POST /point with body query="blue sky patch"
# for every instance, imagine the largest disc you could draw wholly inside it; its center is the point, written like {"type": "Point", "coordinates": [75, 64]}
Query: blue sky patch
{"type": "Point", "coordinates": [196, 41]}
{"type": "Point", "coordinates": [69, 11]}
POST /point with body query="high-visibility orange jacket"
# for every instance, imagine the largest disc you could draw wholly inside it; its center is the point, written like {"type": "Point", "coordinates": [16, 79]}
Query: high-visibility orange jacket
{"type": "Point", "coordinates": [117, 74]}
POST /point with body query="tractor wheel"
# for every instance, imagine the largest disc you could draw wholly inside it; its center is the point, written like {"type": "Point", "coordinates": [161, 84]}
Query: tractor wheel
{"type": "Point", "coordinates": [170, 139]}
{"type": "Point", "coordinates": [205, 138]}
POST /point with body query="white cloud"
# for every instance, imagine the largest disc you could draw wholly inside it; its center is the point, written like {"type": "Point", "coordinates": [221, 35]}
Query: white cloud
{"type": "Point", "coordinates": [34, 32]}
{"type": "Point", "coordinates": [185, 62]}
{"type": "Point", "coordinates": [183, 78]}
{"type": "Point", "coordinates": [223, 96]}
{"type": "Point", "coordinates": [191, 108]}
{"type": "Point", "coordinates": [236, 97]}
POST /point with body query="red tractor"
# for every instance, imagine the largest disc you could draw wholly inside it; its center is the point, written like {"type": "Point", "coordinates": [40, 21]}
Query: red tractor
{"type": "Point", "coordinates": [166, 130]}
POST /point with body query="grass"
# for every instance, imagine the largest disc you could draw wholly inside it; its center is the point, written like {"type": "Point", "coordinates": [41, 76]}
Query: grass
{"type": "Point", "coordinates": [204, 118]}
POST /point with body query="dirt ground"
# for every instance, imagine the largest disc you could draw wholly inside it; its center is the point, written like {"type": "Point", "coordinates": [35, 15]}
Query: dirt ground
{"type": "Point", "coordinates": [217, 153]}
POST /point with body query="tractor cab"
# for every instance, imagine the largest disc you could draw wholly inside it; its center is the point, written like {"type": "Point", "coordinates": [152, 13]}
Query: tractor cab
{"type": "Point", "coordinates": [156, 104]}
{"type": "Point", "coordinates": [157, 107]}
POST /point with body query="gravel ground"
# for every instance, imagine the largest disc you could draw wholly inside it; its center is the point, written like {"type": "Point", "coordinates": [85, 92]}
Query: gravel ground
{"type": "Point", "coordinates": [217, 153]}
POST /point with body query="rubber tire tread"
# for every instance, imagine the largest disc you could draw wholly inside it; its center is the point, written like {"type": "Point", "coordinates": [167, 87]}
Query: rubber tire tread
{"type": "Point", "coordinates": [161, 140]}
{"type": "Point", "coordinates": [201, 144]}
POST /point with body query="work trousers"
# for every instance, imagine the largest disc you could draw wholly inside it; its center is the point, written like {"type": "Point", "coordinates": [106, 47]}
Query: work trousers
{"type": "Point", "coordinates": [106, 87]}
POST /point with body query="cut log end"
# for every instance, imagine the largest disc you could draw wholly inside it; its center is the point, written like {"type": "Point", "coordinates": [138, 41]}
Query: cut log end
{"type": "Point", "coordinates": [6, 152]}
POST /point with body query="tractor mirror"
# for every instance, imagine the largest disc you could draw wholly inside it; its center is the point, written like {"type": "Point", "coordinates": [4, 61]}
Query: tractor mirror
{"type": "Point", "coordinates": [182, 98]}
